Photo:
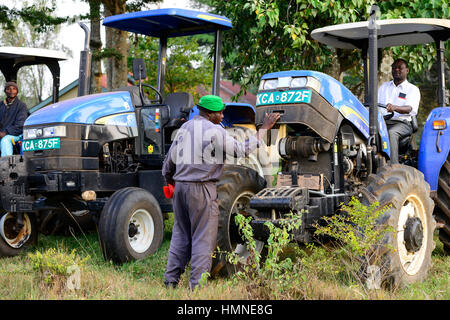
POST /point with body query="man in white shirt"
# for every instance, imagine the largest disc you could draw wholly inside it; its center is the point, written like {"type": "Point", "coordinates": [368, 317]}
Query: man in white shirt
{"type": "Point", "coordinates": [402, 98]}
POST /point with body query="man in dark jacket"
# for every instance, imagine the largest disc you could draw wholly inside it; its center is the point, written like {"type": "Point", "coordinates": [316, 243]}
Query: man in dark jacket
{"type": "Point", "coordinates": [194, 164]}
{"type": "Point", "coordinates": [13, 114]}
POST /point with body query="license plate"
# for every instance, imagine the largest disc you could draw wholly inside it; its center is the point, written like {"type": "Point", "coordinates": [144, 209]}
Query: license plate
{"type": "Point", "coordinates": [40, 144]}
{"type": "Point", "coordinates": [283, 97]}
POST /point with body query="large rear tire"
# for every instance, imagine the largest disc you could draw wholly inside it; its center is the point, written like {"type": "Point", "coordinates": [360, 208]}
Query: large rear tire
{"type": "Point", "coordinates": [235, 188]}
{"type": "Point", "coordinates": [442, 208]}
{"type": "Point", "coordinates": [131, 225]}
{"type": "Point", "coordinates": [410, 215]}
{"type": "Point", "coordinates": [257, 160]}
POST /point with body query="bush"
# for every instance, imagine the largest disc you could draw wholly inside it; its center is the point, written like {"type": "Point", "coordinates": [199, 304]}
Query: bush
{"type": "Point", "coordinates": [55, 267]}
{"type": "Point", "coordinates": [271, 277]}
{"type": "Point", "coordinates": [358, 231]}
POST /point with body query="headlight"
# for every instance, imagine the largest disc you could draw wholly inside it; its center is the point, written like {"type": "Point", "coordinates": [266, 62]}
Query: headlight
{"type": "Point", "coordinates": [298, 82]}
{"type": "Point", "coordinates": [56, 131]}
{"type": "Point", "coordinates": [270, 84]}
{"type": "Point", "coordinates": [31, 133]}
{"type": "Point", "coordinates": [48, 132]}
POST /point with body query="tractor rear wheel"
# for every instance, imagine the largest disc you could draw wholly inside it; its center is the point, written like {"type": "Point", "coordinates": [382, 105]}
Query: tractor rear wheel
{"type": "Point", "coordinates": [131, 225]}
{"type": "Point", "coordinates": [442, 208]}
{"type": "Point", "coordinates": [257, 160]}
{"type": "Point", "coordinates": [235, 188]}
{"type": "Point", "coordinates": [405, 191]}
{"type": "Point", "coordinates": [13, 237]}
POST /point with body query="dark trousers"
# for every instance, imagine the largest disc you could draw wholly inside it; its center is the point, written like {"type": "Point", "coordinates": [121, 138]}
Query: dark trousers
{"type": "Point", "coordinates": [194, 233]}
{"type": "Point", "coordinates": [397, 130]}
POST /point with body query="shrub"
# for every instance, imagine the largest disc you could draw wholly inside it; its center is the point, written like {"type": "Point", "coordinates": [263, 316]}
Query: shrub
{"type": "Point", "coordinates": [272, 276]}
{"type": "Point", "coordinates": [55, 266]}
{"type": "Point", "coordinates": [360, 235]}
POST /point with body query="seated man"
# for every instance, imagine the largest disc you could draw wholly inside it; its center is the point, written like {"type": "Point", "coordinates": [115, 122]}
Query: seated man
{"type": "Point", "coordinates": [402, 98]}
{"type": "Point", "coordinates": [13, 114]}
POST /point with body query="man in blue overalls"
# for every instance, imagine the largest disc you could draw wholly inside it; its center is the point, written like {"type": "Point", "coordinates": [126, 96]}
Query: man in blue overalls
{"type": "Point", "coordinates": [194, 164]}
{"type": "Point", "coordinates": [13, 114]}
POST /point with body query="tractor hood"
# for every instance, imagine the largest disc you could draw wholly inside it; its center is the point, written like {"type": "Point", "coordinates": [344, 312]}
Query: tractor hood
{"type": "Point", "coordinates": [90, 109]}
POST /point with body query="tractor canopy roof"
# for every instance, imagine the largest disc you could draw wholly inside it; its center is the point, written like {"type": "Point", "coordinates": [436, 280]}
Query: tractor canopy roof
{"type": "Point", "coordinates": [30, 56]}
{"type": "Point", "coordinates": [168, 22]}
{"type": "Point", "coordinates": [391, 33]}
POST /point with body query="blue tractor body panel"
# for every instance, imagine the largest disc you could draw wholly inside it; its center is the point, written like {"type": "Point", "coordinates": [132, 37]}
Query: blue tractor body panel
{"type": "Point", "coordinates": [117, 106]}
{"type": "Point", "coordinates": [342, 99]}
{"type": "Point", "coordinates": [430, 160]}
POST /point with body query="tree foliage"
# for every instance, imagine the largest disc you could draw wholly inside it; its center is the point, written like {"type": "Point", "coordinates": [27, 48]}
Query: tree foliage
{"type": "Point", "coordinates": [116, 40]}
{"type": "Point", "coordinates": [274, 35]}
{"type": "Point", "coordinates": [42, 19]}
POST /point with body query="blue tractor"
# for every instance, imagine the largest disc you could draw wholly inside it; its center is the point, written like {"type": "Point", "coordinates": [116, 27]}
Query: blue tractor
{"type": "Point", "coordinates": [330, 147]}
{"type": "Point", "coordinates": [98, 157]}
{"type": "Point", "coordinates": [432, 157]}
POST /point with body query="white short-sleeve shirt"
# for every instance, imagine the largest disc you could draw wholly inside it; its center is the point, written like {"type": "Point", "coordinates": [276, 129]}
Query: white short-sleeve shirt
{"type": "Point", "coordinates": [405, 94]}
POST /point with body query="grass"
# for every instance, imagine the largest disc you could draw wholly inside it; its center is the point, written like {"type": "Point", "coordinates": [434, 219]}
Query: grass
{"type": "Point", "coordinates": [101, 280]}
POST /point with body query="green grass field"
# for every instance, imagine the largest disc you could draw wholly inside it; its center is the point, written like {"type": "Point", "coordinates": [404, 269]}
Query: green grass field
{"type": "Point", "coordinates": [144, 279]}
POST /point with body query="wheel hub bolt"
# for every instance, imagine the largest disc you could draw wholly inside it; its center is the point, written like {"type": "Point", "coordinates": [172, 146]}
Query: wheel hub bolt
{"type": "Point", "coordinates": [413, 234]}
{"type": "Point", "coordinates": [132, 230]}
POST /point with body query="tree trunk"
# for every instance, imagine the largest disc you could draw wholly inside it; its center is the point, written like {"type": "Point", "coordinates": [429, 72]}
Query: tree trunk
{"type": "Point", "coordinates": [96, 46]}
{"type": "Point", "coordinates": [334, 69]}
{"type": "Point", "coordinates": [385, 70]}
{"type": "Point", "coordinates": [116, 69]}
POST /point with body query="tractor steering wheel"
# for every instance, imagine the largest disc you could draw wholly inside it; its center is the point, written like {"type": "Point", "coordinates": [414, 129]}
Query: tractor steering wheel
{"type": "Point", "coordinates": [159, 98]}
{"type": "Point", "coordinates": [383, 111]}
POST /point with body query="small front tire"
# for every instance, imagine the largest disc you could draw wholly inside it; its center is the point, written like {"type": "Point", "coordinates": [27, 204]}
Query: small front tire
{"type": "Point", "coordinates": [131, 226]}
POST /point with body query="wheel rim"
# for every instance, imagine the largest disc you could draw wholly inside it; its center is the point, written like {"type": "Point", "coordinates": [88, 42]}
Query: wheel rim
{"type": "Point", "coordinates": [15, 238]}
{"type": "Point", "coordinates": [141, 230]}
{"type": "Point", "coordinates": [412, 231]}
{"type": "Point", "coordinates": [240, 205]}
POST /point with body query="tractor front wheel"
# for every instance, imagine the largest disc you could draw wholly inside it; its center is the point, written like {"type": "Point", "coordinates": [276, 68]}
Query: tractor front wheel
{"type": "Point", "coordinates": [131, 225]}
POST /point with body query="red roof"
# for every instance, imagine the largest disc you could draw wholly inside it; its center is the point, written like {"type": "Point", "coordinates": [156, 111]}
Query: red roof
{"type": "Point", "coordinates": [228, 90]}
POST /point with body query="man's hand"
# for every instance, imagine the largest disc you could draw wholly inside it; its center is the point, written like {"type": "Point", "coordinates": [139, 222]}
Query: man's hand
{"type": "Point", "coordinates": [269, 120]}
{"type": "Point", "coordinates": [400, 109]}
{"type": "Point", "coordinates": [2, 134]}
{"type": "Point", "coordinates": [390, 107]}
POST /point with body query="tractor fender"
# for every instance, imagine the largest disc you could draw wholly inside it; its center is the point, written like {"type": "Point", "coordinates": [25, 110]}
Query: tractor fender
{"type": "Point", "coordinates": [434, 146]}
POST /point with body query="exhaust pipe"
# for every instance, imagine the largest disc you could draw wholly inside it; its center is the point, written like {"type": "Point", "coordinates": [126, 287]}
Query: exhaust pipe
{"type": "Point", "coordinates": [84, 79]}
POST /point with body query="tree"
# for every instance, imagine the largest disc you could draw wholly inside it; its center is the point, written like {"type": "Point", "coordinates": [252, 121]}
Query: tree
{"type": "Point", "coordinates": [95, 46]}
{"type": "Point", "coordinates": [116, 40]}
{"type": "Point", "coordinates": [41, 18]}
{"type": "Point", "coordinates": [274, 35]}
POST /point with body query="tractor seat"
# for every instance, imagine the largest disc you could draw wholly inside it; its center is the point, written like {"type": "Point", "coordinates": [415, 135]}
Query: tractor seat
{"type": "Point", "coordinates": [405, 141]}
{"type": "Point", "coordinates": [180, 104]}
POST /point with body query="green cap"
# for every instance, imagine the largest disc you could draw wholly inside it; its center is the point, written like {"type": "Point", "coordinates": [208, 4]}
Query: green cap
{"type": "Point", "coordinates": [211, 102]}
